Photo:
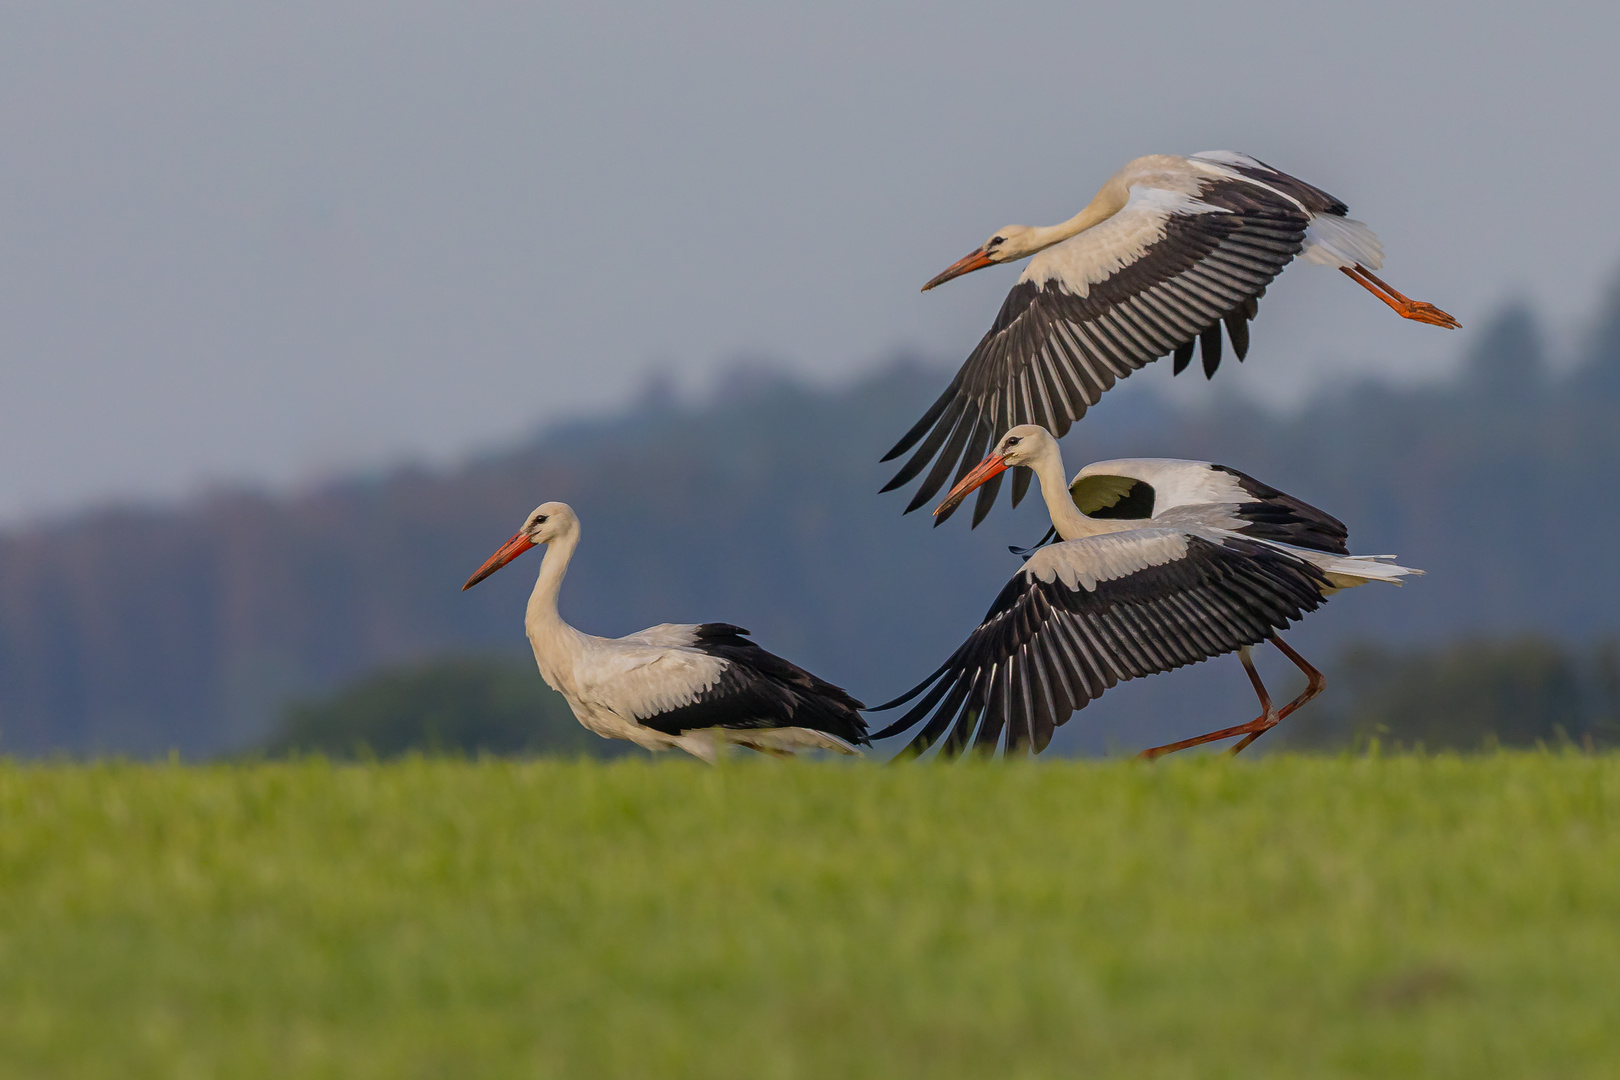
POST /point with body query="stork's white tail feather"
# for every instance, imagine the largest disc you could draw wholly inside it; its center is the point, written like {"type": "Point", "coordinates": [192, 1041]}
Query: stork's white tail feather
{"type": "Point", "coordinates": [1342, 241]}
{"type": "Point", "coordinates": [789, 740]}
{"type": "Point", "coordinates": [706, 743]}
{"type": "Point", "coordinates": [1347, 571]}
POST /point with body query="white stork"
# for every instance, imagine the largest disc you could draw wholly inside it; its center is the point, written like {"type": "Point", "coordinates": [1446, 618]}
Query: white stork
{"type": "Point", "coordinates": [1162, 563]}
{"type": "Point", "coordinates": [698, 687]}
{"type": "Point", "coordinates": [1171, 249]}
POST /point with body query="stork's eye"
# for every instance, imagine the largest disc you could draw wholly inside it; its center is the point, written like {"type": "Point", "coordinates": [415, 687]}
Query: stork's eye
{"type": "Point", "coordinates": [995, 241]}
{"type": "Point", "coordinates": [1012, 440]}
{"type": "Point", "coordinates": [540, 519]}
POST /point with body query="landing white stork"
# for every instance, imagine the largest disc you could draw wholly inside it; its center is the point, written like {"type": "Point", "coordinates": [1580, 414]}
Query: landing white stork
{"type": "Point", "coordinates": [698, 687]}
{"type": "Point", "coordinates": [1162, 563]}
{"type": "Point", "coordinates": [1171, 249]}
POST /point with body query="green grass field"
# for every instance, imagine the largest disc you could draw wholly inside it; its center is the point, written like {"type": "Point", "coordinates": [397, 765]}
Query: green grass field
{"type": "Point", "coordinates": [1284, 917]}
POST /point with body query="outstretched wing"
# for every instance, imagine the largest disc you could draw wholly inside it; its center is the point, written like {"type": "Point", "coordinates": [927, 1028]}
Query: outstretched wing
{"type": "Point", "coordinates": [1086, 614]}
{"type": "Point", "coordinates": [1166, 271]}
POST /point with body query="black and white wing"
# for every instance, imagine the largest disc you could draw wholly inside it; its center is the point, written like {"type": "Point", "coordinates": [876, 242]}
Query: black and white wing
{"type": "Point", "coordinates": [1086, 614]}
{"type": "Point", "coordinates": [1182, 493]}
{"type": "Point", "coordinates": [1165, 272]}
{"type": "Point", "coordinates": [1269, 514]}
{"type": "Point", "coordinates": [741, 687]}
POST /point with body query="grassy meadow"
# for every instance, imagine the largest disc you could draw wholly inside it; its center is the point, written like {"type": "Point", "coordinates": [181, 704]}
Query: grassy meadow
{"type": "Point", "coordinates": [1284, 917]}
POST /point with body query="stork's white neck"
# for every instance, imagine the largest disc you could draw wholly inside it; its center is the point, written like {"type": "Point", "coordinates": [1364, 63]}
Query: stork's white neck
{"type": "Point", "coordinates": [555, 643]}
{"type": "Point", "coordinates": [542, 612]}
{"type": "Point", "coordinates": [1107, 202]}
{"type": "Point", "coordinates": [1071, 524]}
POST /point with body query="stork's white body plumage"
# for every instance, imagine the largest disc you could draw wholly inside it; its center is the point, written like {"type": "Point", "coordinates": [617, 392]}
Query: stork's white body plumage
{"type": "Point", "coordinates": [1161, 563]}
{"type": "Point", "coordinates": [697, 687]}
{"type": "Point", "coordinates": [1151, 191]}
{"type": "Point", "coordinates": [1170, 251]}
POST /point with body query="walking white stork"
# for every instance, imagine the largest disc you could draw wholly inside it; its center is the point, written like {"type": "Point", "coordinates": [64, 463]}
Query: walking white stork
{"type": "Point", "coordinates": [1162, 563]}
{"type": "Point", "coordinates": [698, 687]}
{"type": "Point", "coordinates": [1171, 249]}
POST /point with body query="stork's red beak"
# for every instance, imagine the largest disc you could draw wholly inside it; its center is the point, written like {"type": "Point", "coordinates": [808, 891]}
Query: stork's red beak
{"type": "Point", "coordinates": [994, 465]}
{"type": "Point", "coordinates": [509, 551]}
{"type": "Point", "coordinates": [978, 260]}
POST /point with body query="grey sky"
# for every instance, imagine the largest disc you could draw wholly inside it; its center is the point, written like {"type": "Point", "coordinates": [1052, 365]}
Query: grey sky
{"type": "Point", "coordinates": [269, 241]}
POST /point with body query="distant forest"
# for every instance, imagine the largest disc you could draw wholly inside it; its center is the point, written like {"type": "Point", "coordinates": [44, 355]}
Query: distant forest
{"type": "Point", "coordinates": [136, 630]}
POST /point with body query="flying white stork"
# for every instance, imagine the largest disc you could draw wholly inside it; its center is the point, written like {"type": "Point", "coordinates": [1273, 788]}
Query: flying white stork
{"type": "Point", "coordinates": [1171, 249]}
{"type": "Point", "coordinates": [698, 687]}
{"type": "Point", "coordinates": [1162, 563]}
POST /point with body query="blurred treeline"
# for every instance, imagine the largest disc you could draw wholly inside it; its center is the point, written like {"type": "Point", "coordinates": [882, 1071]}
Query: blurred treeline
{"type": "Point", "coordinates": [469, 705]}
{"type": "Point", "coordinates": [1474, 694]}
{"type": "Point", "coordinates": [138, 629]}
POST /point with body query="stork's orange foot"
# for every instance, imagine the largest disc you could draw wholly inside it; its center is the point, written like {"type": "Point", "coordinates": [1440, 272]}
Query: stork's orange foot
{"type": "Point", "coordinates": [1400, 303]}
{"type": "Point", "coordinates": [1427, 313]}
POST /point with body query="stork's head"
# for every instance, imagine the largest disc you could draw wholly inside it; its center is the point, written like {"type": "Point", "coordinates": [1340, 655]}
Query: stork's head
{"type": "Point", "coordinates": [548, 522]}
{"type": "Point", "coordinates": [1004, 245]}
{"type": "Point", "coordinates": [1025, 444]}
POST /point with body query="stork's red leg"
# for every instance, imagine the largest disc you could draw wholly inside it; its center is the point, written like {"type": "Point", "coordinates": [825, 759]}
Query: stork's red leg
{"type": "Point", "coordinates": [1316, 681]}
{"type": "Point", "coordinates": [1268, 717]}
{"type": "Point", "coordinates": [1404, 306]}
{"type": "Point", "coordinates": [1252, 730]}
